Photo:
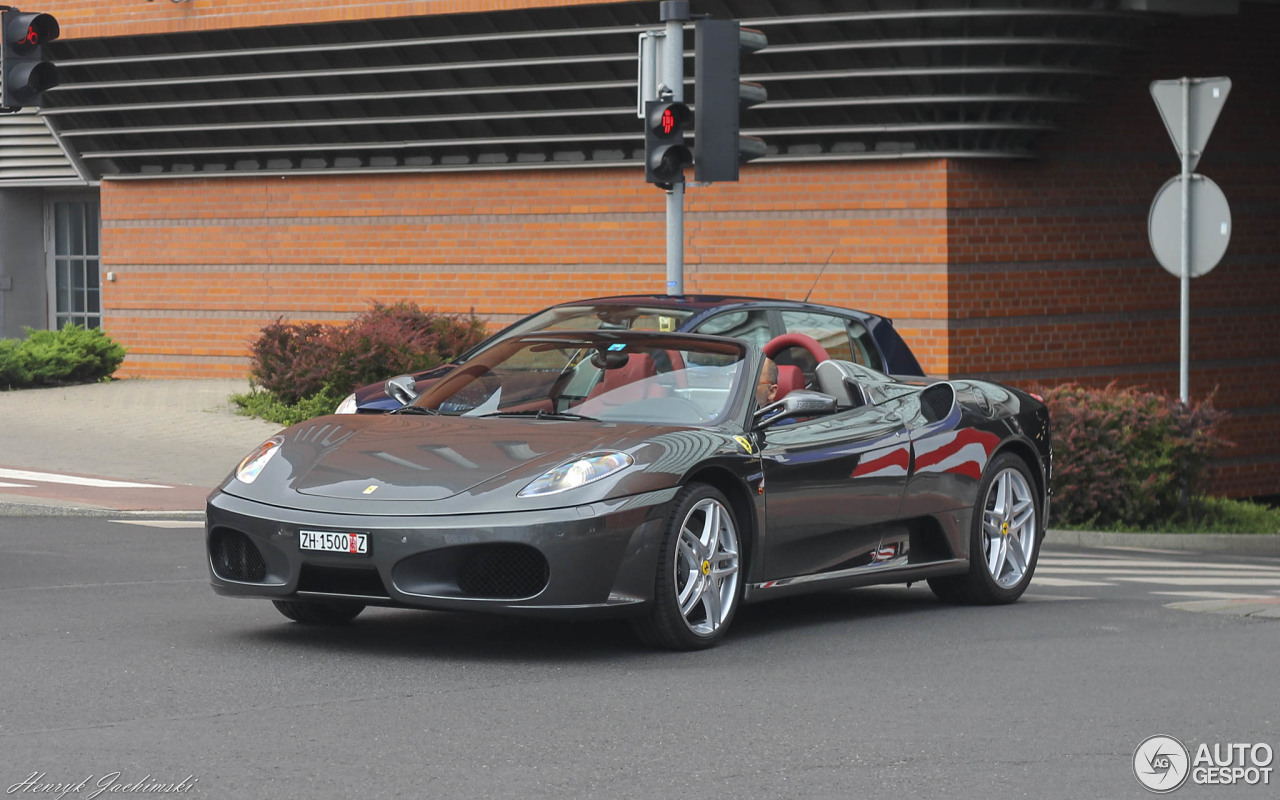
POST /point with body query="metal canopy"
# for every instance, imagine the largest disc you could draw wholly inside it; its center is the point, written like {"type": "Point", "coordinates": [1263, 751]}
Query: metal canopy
{"type": "Point", "coordinates": [556, 86]}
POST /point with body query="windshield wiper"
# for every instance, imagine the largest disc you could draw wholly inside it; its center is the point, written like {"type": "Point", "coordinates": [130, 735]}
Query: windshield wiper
{"type": "Point", "coordinates": [414, 410]}
{"type": "Point", "coordinates": [539, 414]}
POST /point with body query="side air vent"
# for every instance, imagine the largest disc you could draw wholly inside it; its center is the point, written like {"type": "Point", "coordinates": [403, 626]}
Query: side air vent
{"type": "Point", "coordinates": [936, 401]}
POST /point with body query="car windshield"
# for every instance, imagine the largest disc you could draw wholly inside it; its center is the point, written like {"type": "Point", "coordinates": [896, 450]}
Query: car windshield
{"type": "Point", "coordinates": [669, 379]}
{"type": "Point", "coordinates": [608, 316]}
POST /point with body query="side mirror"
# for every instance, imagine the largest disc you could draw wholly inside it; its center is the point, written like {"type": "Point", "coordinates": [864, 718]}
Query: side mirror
{"type": "Point", "coordinates": [799, 403]}
{"type": "Point", "coordinates": [403, 389]}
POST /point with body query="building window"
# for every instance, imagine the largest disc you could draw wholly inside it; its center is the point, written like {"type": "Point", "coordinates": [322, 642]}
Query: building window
{"type": "Point", "coordinates": [76, 292]}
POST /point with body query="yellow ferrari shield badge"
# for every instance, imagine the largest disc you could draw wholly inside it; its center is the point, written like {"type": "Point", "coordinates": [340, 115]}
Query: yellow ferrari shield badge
{"type": "Point", "coordinates": [745, 442]}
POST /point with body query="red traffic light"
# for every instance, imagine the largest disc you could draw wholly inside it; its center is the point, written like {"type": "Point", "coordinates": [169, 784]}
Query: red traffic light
{"type": "Point", "coordinates": [25, 32]}
{"type": "Point", "coordinates": [668, 118]}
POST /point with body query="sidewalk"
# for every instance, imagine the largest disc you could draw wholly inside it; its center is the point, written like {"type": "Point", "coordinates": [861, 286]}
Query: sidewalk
{"type": "Point", "coordinates": [159, 445]}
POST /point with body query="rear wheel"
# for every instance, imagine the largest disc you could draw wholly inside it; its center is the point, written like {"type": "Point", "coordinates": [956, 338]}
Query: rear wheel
{"type": "Point", "coordinates": [699, 581]}
{"type": "Point", "coordinates": [319, 612]}
{"type": "Point", "coordinates": [1004, 539]}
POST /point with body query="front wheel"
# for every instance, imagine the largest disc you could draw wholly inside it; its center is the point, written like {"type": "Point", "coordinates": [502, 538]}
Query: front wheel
{"type": "Point", "coordinates": [319, 612]}
{"type": "Point", "coordinates": [699, 581]}
{"type": "Point", "coordinates": [1004, 538]}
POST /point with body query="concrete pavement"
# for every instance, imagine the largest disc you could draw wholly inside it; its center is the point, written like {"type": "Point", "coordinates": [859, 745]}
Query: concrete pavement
{"type": "Point", "coordinates": [133, 444]}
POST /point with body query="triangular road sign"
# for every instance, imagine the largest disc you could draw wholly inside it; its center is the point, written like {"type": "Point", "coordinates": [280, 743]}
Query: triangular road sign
{"type": "Point", "coordinates": [1207, 96]}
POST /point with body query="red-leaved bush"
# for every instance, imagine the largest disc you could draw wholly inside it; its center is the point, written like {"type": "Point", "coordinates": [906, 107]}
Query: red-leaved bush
{"type": "Point", "coordinates": [293, 360]}
{"type": "Point", "coordinates": [1124, 456]}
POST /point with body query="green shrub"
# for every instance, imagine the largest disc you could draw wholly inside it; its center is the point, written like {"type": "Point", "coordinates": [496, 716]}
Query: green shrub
{"type": "Point", "coordinates": [1125, 457]}
{"type": "Point", "coordinates": [293, 362]}
{"type": "Point", "coordinates": [52, 358]}
{"type": "Point", "coordinates": [263, 404]}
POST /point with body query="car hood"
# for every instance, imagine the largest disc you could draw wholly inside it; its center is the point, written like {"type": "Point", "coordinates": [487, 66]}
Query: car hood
{"type": "Point", "coordinates": [411, 464]}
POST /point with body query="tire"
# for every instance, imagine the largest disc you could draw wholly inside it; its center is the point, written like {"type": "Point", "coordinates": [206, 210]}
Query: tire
{"type": "Point", "coordinates": [1004, 539]}
{"type": "Point", "coordinates": [319, 612]}
{"type": "Point", "coordinates": [698, 585]}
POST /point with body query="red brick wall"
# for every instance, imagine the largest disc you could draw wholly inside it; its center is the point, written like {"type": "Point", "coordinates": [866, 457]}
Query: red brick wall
{"type": "Point", "coordinates": [1052, 276]}
{"type": "Point", "coordinates": [85, 19]}
{"type": "Point", "coordinates": [200, 265]}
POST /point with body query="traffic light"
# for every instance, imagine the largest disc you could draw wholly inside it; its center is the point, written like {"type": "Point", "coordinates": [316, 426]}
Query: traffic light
{"type": "Point", "coordinates": [24, 75]}
{"type": "Point", "coordinates": [665, 154]}
{"type": "Point", "coordinates": [719, 93]}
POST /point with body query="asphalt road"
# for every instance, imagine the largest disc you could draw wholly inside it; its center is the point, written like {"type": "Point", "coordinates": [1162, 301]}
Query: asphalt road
{"type": "Point", "coordinates": [118, 658]}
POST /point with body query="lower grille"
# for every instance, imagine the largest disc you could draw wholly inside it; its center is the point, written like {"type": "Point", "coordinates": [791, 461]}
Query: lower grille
{"type": "Point", "coordinates": [363, 581]}
{"type": "Point", "coordinates": [503, 571]}
{"type": "Point", "coordinates": [234, 557]}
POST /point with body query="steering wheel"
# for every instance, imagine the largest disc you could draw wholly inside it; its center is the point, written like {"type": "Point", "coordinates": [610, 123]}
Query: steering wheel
{"type": "Point", "coordinates": [779, 343]}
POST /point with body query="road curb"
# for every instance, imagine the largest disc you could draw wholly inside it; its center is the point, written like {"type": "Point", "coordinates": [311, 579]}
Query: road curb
{"type": "Point", "coordinates": [1244, 544]}
{"type": "Point", "coordinates": [8, 509]}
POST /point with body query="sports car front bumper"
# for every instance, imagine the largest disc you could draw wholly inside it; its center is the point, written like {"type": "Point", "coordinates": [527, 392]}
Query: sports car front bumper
{"type": "Point", "coordinates": [591, 560]}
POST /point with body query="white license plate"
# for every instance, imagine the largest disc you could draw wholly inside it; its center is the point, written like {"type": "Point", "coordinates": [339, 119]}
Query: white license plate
{"type": "Point", "coordinates": [334, 542]}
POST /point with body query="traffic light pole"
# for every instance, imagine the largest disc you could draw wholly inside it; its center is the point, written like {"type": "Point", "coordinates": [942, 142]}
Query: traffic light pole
{"type": "Point", "coordinates": [671, 74]}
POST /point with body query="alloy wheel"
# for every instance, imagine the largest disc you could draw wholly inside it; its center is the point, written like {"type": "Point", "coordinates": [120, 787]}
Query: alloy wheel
{"type": "Point", "coordinates": [706, 566]}
{"type": "Point", "coordinates": [1009, 528]}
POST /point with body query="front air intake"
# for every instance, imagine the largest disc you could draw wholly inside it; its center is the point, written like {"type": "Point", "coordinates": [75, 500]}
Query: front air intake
{"type": "Point", "coordinates": [503, 571]}
{"type": "Point", "coordinates": [235, 558]}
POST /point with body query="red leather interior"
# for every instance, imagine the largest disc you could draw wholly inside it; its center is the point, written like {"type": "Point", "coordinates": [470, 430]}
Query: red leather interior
{"type": "Point", "coordinates": [789, 379]}
{"type": "Point", "coordinates": [638, 367]}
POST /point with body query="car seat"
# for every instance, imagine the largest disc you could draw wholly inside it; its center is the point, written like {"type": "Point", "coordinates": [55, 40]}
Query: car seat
{"type": "Point", "coordinates": [622, 385]}
{"type": "Point", "coordinates": [789, 379]}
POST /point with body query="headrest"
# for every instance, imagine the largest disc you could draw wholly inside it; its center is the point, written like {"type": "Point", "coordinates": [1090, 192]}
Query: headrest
{"type": "Point", "coordinates": [789, 379]}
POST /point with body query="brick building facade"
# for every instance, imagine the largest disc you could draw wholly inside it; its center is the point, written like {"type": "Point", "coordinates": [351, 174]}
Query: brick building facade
{"type": "Point", "coordinates": [1024, 270]}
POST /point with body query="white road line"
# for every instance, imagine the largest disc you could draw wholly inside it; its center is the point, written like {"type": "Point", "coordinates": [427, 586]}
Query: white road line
{"type": "Point", "coordinates": [1219, 595]}
{"type": "Point", "coordinates": [162, 523]}
{"type": "Point", "coordinates": [1202, 572]}
{"type": "Point", "coordinates": [1232, 581]}
{"type": "Point", "coordinates": [16, 486]}
{"type": "Point", "coordinates": [49, 477]}
{"type": "Point", "coordinates": [1146, 550]}
{"type": "Point", "coordinates": [1039, 581]}
{"type": "Point", "coordinates": [1133, 563]}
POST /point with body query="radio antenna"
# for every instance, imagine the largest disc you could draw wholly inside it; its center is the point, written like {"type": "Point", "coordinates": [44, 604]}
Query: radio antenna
{"type": "Point", "coordinates": [815, 280]}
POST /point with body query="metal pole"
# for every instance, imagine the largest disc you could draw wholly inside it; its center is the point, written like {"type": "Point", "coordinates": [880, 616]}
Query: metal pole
{"type": "Point", "coordinates": [674, 14]}
{"type": "Point", "coordinates": [1184, 346]}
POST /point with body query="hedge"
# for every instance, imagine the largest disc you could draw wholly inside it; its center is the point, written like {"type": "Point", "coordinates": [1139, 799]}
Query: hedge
{"type": "Point", "coordinates": [297, 360]}
{"type": "Point", "coordinates": [1127, 457]}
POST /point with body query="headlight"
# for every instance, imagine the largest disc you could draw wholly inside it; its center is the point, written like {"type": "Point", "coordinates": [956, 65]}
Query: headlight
{"type": "Point", "coordinates": [347, 406]}
{"type": "Point", "coordinates": [253, 463]}
{"type": "Point", "coordinates": [579, 472]}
